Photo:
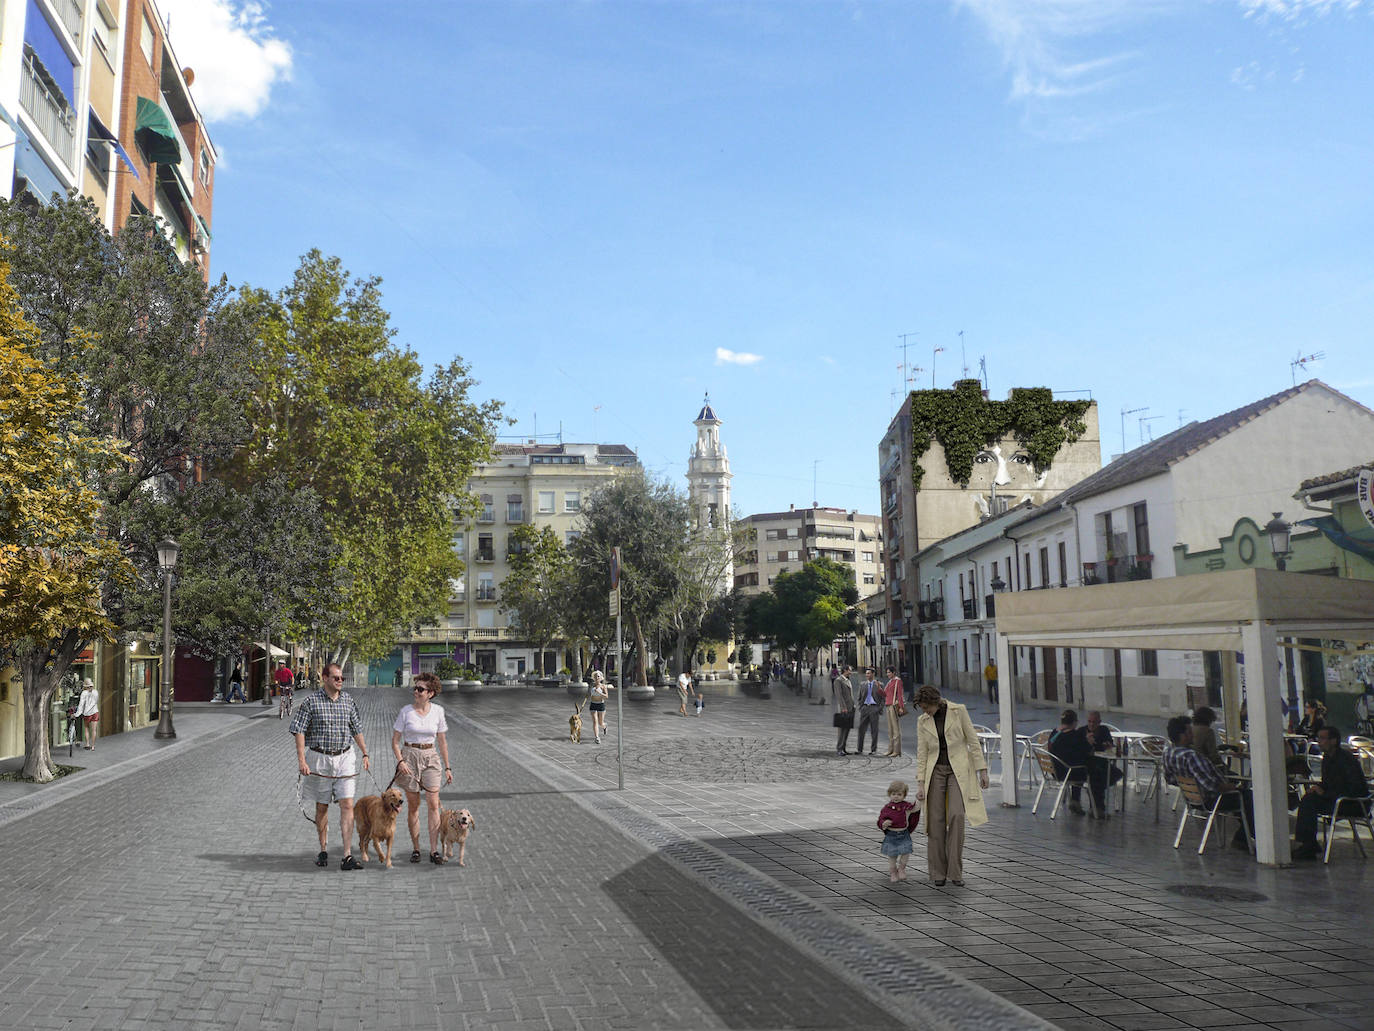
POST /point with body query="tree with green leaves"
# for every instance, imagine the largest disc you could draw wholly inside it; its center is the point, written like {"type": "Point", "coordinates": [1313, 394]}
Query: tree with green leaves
{"type": "Point", "coordinates": [807, 609]}
{"type": "Point", "coordinates": [53, 556]}
{"type": "Point", "coordinates": [160, 361]}
{"type": "Point", "coordinates": [536, 590]}
{"type": "Point", "coordinates": [648, 520]}
{"type": "Point", "coordinates": [346, 413]}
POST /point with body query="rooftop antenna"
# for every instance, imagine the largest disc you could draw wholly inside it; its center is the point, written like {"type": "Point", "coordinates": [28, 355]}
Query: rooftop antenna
{"type": "Point", "coordinates": [932, 366]}
{"type": "Point", "coordinates": [1143, 424]}
{"type": "Point", "coordinates": [906, 370]}
{"type": "Point", "coordinates": [983, 367]}
{"type": "Point", "coordinates": [1125, 412]}
{"type": "Point", "coordinates": [963, 356]}
{"type": "Point", "coordinates": [1301, 362]}
{"type": "Point", "coordinates": [814, 502]}
{"type": "Point", "coordinates": [596, 439]}
{"type": "Point", "coordinates": [1180, 415]}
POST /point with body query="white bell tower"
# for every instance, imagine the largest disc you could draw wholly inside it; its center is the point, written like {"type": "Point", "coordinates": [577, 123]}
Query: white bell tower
{"type": "Point", "coordinates": [708, 480]}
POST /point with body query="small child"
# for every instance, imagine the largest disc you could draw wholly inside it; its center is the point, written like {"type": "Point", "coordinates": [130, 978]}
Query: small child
{"type": "Point", "coordinates": [700, 700]}
{"type": "Point", "coordinates": [897, 820]}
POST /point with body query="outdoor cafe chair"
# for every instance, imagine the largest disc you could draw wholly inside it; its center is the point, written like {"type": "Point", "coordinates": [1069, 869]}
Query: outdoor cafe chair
{"type": "Point", "coordinates": [1196, 808]}
{"type": "Point", "coordinates": [1051, 769]}
{"type": "Point", "coordinates": [990, 740]}
{"type": "Point", "coordinates": [1152, 751]}
{"type": "Point", "coordinates": [1029, 743]}
{"type": "Point", "coordinates": [1353, 811]}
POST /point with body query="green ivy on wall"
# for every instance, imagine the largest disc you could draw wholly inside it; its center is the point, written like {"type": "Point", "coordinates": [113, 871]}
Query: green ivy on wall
{"type": "Point", "coordinates": [965, 423]}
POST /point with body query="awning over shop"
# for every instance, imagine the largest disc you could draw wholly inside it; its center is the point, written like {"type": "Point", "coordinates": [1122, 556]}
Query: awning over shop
{"type": "Point", "coordinates": [156, 134]}
{"type": "Point", "coordinates": [271, 649]}
{"type": "Point", "coordinates": [99, 131]}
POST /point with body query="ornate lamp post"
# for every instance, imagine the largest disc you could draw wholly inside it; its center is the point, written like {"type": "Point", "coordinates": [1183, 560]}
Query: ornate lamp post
{"type": "Point", "coordinates": [167, 551]}
{"type": "Point", "coordinates": [1280, 537]}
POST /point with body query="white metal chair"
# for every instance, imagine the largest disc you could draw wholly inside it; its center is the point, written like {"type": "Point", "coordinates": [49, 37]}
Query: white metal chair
{"type": "Point", "coordinates": [988, 740]}
{"type": "Point", "coordinates": [1051, 769]}
{"type": "Point", "coordinates": [1029, 742]}
{"type": "Point", "coordinates": [1353, 811]}
{"type": "Point", "coordinates": [1152, 749]}
{"type": "Point", "coordinates": [1196, 808]}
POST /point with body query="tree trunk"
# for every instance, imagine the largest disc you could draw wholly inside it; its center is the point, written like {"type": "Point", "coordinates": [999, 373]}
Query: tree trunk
{"type": "Point", "coordinates": [576, 660]}
{"type": "Point", "coordinates": [38, 691]}
{"type": "Point", "coordinates": [641, 671]}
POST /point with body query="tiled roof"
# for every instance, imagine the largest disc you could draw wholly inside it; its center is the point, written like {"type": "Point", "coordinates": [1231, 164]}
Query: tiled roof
{"type": "Point", "coordinates": [613, 449]}
{"type": "Point", "coordinates": [1330, 478]}
{"type": "Point", "coordinates": [1155, 457]}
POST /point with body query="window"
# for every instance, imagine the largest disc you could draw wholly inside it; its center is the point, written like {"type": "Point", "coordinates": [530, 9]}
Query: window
{"type": "Point", "coordinates": [488, 513]}
{"type": "Point", "coordinates": [1063, 566]}
{"type": "Point", "coordinates": [869, 578]}
{"type": "Point", "coordinates": [204, 166]}
{"type": "Point", "coordinates": [486, 551]}
{"type": "Point", "coordinates": [145, 39]}
{"type": "Point", "coordinates": [486, 587]}
{"type": "Point", "coordinates": [569, 536]}
{"type": "Point", "coordinates": [486, 618]}
{"type": "Point", "coordinates": [545, 502]}
{"type": "Point", "coordinates": [1142, 529]}
{"type": "Point", "coordinates": [459, 545]}
{"type": "Point", "coordinates": [515, 509]}
{"type": "Point", "coordinates": [1044, 567]}
{"type": "Point", "coordinates": [572, 501]}
{"type": "Point", "coordinates": [868, 556]}
{"type": "Point", "coordinates": [1149, 662]}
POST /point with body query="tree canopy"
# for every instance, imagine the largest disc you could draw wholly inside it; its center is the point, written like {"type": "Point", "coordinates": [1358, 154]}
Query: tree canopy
{"type": "Point", "coordinates": [806, 609]}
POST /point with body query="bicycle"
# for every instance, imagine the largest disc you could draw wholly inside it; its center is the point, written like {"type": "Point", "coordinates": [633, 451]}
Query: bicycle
{"type": "Point", "coordinates": [284, 706]}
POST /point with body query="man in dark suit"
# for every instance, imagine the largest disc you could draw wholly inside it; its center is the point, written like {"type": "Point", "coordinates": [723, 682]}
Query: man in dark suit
{"type": "Point", "coordinates": [870, 695]}
{"type": "Point", "coordinates": [1342, 777]}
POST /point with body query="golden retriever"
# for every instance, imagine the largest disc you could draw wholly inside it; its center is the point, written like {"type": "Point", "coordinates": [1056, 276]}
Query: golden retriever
{"type": "Point", "coordinates": [454, 825]}
{"type": "Point", "coordinates": [575, 724]}
{"type": "Point", "coordinates": [375, 818]}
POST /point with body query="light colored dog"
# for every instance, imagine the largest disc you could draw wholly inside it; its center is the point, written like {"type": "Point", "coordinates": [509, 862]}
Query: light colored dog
{"type": "Point", "coordinates": [575, 724]}
{"type": "Point", "coordinates": [454, 826]}
{"type": "Point", "coordinates": [375, 818]}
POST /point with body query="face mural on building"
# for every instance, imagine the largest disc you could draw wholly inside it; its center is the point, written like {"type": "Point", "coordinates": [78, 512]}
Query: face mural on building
{"type": "Point", "coordinates": [1014, 472]}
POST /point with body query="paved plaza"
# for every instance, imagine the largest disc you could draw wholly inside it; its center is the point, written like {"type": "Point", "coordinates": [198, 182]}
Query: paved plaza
{"type": "Point", "coordinates": [735, 883]}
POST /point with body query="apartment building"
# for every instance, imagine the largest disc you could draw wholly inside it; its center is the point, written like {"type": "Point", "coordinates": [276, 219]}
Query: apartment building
{"type": "Point", "coordinates": [782, 542]}
{"type": "Point", "coordinates": [523, 484]}
{"type": "Point", "coordinates": [1002, 478]}
{"type": "Point", "coordinates": [96, 101]}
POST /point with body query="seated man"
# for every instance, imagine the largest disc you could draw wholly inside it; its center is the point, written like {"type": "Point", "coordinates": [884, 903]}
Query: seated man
{"type": "Point", "coordinates": [1180, 760]}
{"type": "Point", "coordinates": [1070, 748]}
{"type": "Point", "coordinates": [1103, 771]}
{"type": "Point", "coordinates": [1342, 777]}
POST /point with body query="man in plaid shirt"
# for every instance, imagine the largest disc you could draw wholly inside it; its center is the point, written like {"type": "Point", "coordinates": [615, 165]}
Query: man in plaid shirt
{"type": "Point", "coordinates": [323, 726]}
{"type": "Point", "coordinates": [1180, 760]}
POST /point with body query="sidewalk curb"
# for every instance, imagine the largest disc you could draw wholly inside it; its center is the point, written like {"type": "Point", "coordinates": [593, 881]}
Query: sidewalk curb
{"type": "Point", "coordinates": [74, 785]}
{"type": "Point", "coordinates": [916, 992]}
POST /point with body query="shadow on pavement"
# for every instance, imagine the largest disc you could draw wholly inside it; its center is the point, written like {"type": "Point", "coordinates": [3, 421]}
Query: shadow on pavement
{"type": "Point", "coordinates": [747, 975]}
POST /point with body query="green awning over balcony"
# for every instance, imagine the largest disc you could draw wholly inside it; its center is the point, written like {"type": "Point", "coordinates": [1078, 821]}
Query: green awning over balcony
{"type": "Point", "coordinates": [156, 134]}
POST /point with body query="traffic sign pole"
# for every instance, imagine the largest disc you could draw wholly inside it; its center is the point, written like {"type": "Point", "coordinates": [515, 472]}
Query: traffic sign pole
{"type": "Point", "coordinates": [619, 673]}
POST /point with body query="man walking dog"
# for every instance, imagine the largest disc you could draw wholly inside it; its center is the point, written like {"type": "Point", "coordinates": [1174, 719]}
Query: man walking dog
{"type": "Point", "coordinates": [322, 726]}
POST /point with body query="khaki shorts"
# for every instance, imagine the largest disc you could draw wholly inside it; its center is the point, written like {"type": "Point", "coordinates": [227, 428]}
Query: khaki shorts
{"type": "Point", "coordinates": [336, 780]}
{"type": "Point", "coordinates": [426, 769]}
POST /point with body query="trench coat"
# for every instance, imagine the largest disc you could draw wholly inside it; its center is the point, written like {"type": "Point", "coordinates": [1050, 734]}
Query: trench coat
{"type": "Point", "coordinates": [966, 758]}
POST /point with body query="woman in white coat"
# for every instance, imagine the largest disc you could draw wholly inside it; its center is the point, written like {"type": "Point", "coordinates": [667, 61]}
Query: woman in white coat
{"type": "Point", "coordinates": [951, 774]}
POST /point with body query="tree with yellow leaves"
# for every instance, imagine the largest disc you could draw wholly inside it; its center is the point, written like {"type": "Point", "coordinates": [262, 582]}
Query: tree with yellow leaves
{"type": "Point", "coordinates": [53, 559]}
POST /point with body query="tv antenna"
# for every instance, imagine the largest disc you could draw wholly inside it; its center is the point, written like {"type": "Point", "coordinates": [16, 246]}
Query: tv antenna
{"type": "Point", "coordinates": [906, 369]}
{"type": "Point", "coordinates": [983, 367]}
{"type": "Point", "coordinates": [932, 366]}
{"type": "Point", "coordinates": [1301, 362]}
{"type": "Point", "coordinates": [814, 503]}
{"type": "Point", "coordinates": [1144, 422]}
{"type": "Point", "coordinates": [1125, 412]}
{"type": "Point", "coordinates": [963, 355]}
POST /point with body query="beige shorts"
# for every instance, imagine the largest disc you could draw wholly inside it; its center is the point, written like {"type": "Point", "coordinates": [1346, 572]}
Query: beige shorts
{"type": "Point", "coordinates": [336, 778]}
{"type": "Point", "coordinates": [426, 769]}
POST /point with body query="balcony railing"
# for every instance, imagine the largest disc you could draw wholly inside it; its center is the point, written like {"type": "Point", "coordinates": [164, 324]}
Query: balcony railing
{"type": "Point", "coordinates": [70, 13]}
{"type": "Point", "coordinates": [486, 516]}
{"type": "Point", "coordinates": [486, 594]}
{"type": "Point", "coordinates": [930, 611]}
{"type": "Point", "coordinates": [970, 608]}
{"type": "Point", "coordinates": [485, 556]}
{"type": "Point", "coordinates": [54, 116]}
{"type": "Point", "coordinates": [1117, 569]}
{"type": "Point", "coordinates": [515, 515]}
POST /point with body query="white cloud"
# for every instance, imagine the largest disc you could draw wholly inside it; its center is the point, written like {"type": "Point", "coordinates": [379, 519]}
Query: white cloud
{"type": "Point", "coordinates": [1296, 10]}
{"type": "Point", "coordinates": [236, 55]}
{"type": "Point", "coordinates": [727, 357]}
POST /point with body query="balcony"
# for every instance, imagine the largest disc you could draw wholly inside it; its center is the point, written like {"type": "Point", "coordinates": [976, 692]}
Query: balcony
{"type": "Point", "coordinates": [971, 609]}
{"type": "Point", "coordinates": [515, 515]}
{"type": "Point", "coordinates": [486, 594]}
{"type": "Point", "coordinates": [55, 119]}
{"type": "Point", "coordinates": [930, 611]}
{"type": "Point", "coordinates": [487, 515]}
{"type": "Point", "coordinates": [990, 605]}
{"type": "Point", "coordinates": [459, 634]}
{"type": "Point", "coordinates": [484, 556]}
{"type": "Point", "coordinates": [70, 13]}
{"type": "Point", "coordinates": [1116, 569]}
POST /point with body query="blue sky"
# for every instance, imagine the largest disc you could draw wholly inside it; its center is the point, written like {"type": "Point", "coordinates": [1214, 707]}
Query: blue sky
{"type": "Point", "coordinates": [1161, 202]}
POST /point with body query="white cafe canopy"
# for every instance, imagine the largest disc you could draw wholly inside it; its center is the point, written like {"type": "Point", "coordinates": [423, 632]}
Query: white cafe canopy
{"type": "Point", "coordinates": [1245, 610]}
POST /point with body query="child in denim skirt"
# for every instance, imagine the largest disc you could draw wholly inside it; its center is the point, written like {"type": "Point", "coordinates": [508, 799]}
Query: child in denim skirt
{"type": "Point", "coordinates": [897, 820]}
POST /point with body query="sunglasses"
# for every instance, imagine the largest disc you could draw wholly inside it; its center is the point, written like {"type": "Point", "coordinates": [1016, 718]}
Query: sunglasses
{"type": "Point", "coordinates": [335, 676]}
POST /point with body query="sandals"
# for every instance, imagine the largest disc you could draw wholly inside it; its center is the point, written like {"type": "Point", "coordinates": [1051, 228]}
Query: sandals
{"type": "Point", "coordinates": [349, 863]}
{"type": "Point", "coordinates": [436, 859]}
{"type": "Point", "coordinates": [322, 859]}
{"type": "Point", "coordinates": [415, 856]}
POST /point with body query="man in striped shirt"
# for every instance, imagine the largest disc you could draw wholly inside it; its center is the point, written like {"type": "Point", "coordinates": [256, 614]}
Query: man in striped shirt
{"type": "Point", "coordinates": [323, 727]}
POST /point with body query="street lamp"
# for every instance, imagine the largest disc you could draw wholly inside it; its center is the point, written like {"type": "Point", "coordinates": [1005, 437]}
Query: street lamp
{"type": "Point", "coordinates": [1280, 535]}
{"type": "Point", "coordinates": [167, 551]}
{"type": "Point", "coordinates": [998, 585]}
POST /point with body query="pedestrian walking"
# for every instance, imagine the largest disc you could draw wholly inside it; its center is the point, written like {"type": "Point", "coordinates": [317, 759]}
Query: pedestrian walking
{"type": "Point", "coordinates": [236, 685]}
{"type": "Point", "coordinates": [870, 710]}
{"type": "Point", "coordinates": [842, 695]}
{"type": "Point", "coordinates": [399, 678]}
{"type": "Point", "coordinates": [952, 774]}
{"type": "Point", "coordinates": [421, 731]}
{"type": "Point", "coordinates": [684, 685]}
{"type": "Point", "coordinates": [597, 696]}
{"type": "Point", "coordinates": [897, 820]}
{"type": "Point", "coordinates": [88, 712]}
{"type": "Point", "coordinates": [323, 727]}
{"type": "Point", "coordinates": [990, 675]}
{"type": "Point", "coordinates": [894, 705]}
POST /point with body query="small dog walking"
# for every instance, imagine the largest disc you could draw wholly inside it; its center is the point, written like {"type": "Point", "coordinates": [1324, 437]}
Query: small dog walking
{"type": "Point", "coordinates": [575, 724]}
{"type": "Point", "coordinates": [454, 827]}
{"type": "Point", "coordinates": [375, 818]}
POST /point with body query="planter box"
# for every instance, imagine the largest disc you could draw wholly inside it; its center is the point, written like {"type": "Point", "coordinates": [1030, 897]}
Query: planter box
{"type": "Point", "coordinates": [449, 685]}
{"type": "Point", "coordinates": [640, 693]}
{"type": "Point", "coordinates": [469, 687]}
{"type": "Point", "coordinates": [578, 689]}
